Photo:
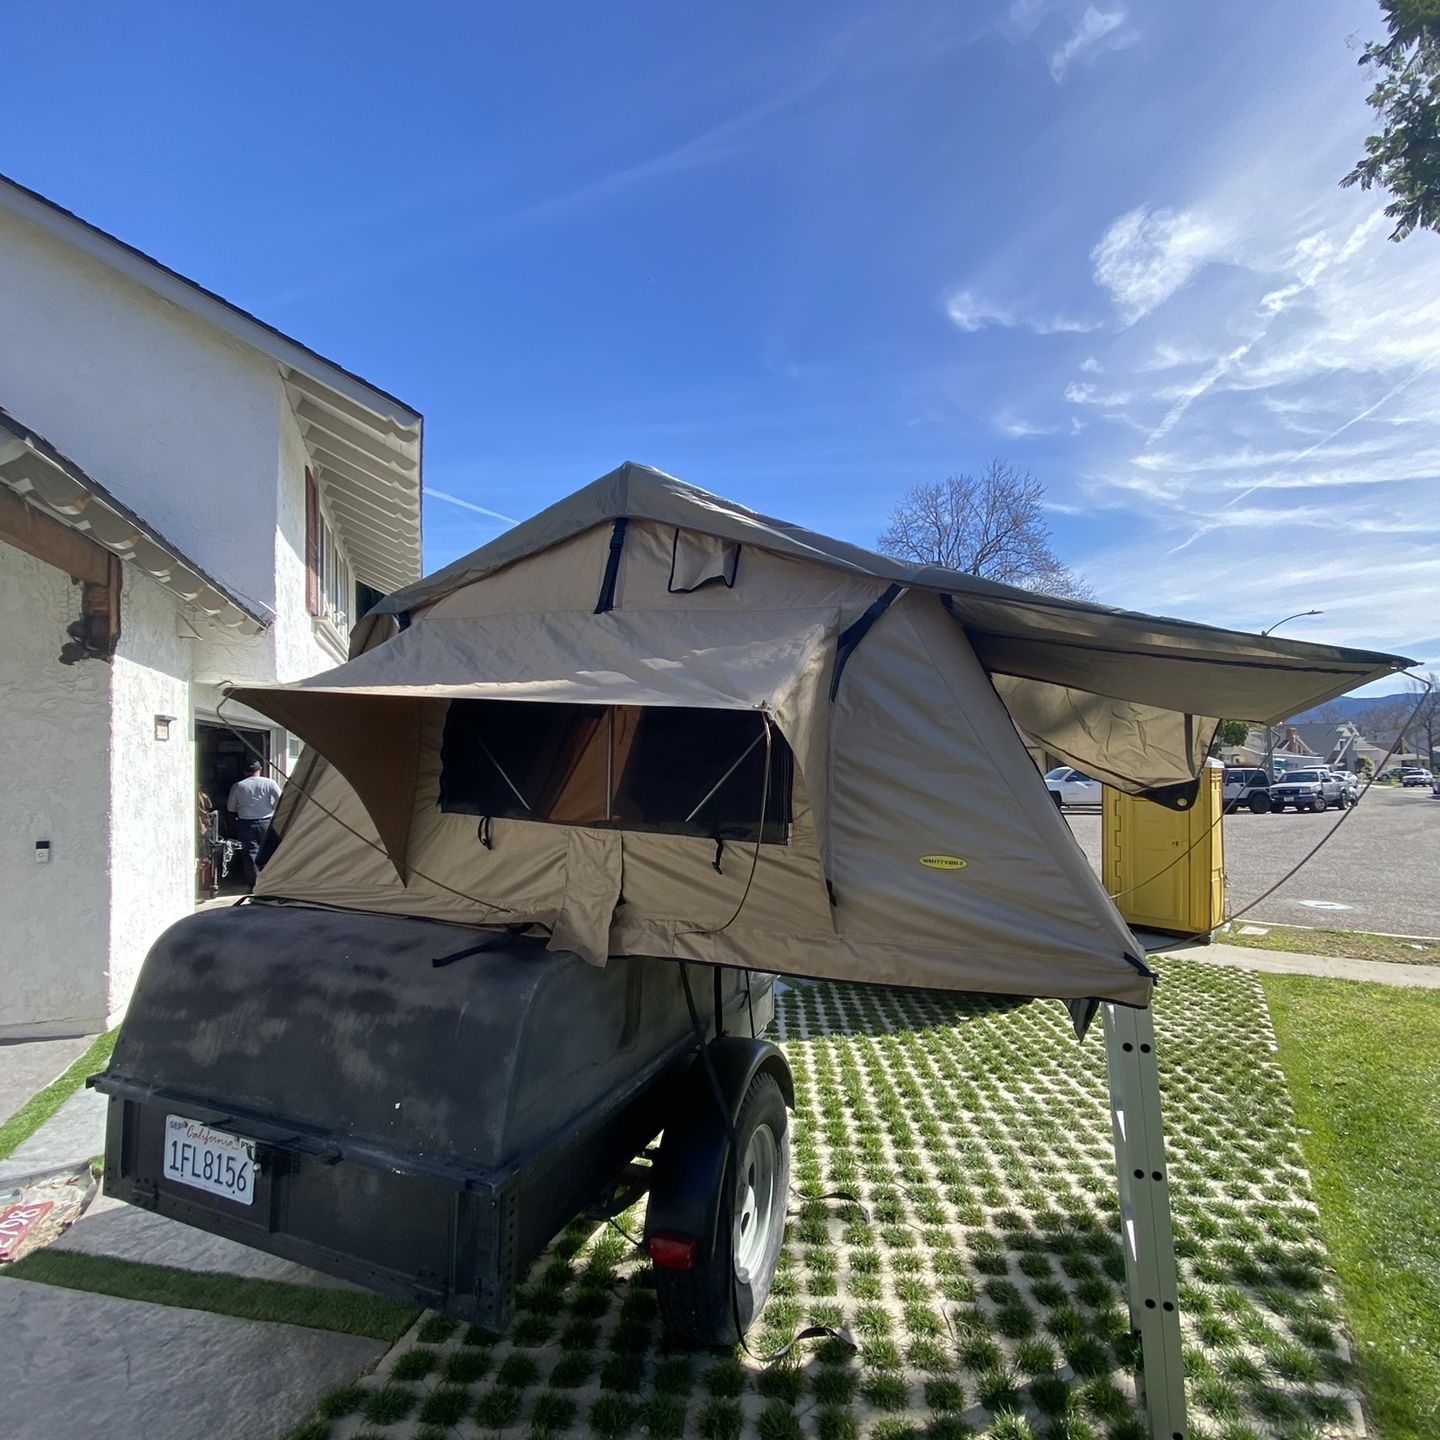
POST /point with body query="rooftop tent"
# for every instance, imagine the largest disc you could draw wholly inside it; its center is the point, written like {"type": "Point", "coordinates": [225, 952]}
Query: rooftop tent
{"type": "Point", "coordinates": [651, 722]}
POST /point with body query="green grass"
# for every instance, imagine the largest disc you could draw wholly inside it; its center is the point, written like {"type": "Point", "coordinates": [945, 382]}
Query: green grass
{"type": "Point", "coordinates": [350, 1312]}
{"type": "Point", "coordinates": [1344, 944]}
{"type": "Point", "coordinates": [39, 1108]}
{"type": "Point", "coordinates": [1363, 1062]}
{"type": "Point", "coordinates": [984, 1280]}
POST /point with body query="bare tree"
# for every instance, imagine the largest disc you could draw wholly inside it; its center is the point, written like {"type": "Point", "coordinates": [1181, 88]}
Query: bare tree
{"type": "Point", "coordinates": [1423, 731]}
{"type": "Point", "coordinates": [1405, 717]}
{"type": "Point", "coordinates": [990, 525]}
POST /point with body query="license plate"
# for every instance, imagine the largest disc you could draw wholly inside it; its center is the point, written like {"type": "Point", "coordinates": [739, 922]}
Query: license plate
{"type": "Point", "coordinates": [209, 1159]}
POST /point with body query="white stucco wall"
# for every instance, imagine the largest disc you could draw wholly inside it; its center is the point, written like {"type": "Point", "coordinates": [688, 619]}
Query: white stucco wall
{"type": "Point", "coordinates": [175, 419]}
{"type": "Point", "coordinates": [152, 783]}
{"type": "Point", "coordinates": [195, 433]}
{"type": "Point", "coordinates": [55, 760]}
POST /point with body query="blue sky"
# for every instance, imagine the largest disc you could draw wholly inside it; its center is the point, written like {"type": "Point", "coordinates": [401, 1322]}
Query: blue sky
{"type": "Point", "coordinates": [809, 255]}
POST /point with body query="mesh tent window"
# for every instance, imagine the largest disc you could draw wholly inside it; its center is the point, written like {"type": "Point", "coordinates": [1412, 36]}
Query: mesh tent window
{"type": "Point", "coordinates": [670, 770]}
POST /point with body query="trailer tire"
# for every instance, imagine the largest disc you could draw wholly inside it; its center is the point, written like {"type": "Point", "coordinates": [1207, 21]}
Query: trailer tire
{"type": "Point", "coordinates": [715, 1302]}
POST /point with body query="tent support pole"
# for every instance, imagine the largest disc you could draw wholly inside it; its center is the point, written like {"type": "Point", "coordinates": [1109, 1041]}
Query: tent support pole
{"type": "Point", "coordinates": [1146, 1235]}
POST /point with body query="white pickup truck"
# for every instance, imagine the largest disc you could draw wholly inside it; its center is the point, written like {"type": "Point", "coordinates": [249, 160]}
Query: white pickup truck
{"type": "Point", "coordinates": [1308, 790]}
{"type": "Point", "coordinates": [1068, 786]}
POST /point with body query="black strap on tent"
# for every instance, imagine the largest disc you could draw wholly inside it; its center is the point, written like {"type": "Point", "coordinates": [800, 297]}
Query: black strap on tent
{"type": "Point", "coordinates": [852, 635]}
{"type": "Point", "coordinates": [612, 567]}
{"type": "Point", "coordinates": [483, 833]}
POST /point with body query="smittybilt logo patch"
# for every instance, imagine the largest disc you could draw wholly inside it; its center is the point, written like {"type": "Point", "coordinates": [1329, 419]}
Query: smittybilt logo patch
{"type": "Point", "coordinates": [943, 862]}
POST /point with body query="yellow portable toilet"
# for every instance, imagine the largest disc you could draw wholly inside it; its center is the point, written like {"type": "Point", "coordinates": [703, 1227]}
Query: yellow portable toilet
{"type": "Point", "coordinates": [1165, 869]}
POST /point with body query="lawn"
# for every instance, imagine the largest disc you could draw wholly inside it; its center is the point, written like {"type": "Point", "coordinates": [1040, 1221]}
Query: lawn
{"type": "Point", "coordinates": [1344, 944]}
{"type": "Point", "coordinates": [983, 1279]}
{"type": "Point", "coordinates": [351, 1312]}
{"type": "Point", "coordinates": [1363, 1062]}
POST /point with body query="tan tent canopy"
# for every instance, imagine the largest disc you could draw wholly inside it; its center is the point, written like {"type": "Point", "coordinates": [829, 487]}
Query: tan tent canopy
{"type": "Point", "coordinates": [651, 722]}
{"type": "Point", "coordinates": [375, 705]}
{"type": "Point", "coordinates": [1174, 665]}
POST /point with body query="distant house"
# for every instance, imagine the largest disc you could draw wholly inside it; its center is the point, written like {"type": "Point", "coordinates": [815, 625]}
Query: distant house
{"type": "Point", "coordinates": [187, 497]}
{"type": "Point", "coordinates": [1273, 748]}
{"type": "Point", "coordinates": [1337, 745]}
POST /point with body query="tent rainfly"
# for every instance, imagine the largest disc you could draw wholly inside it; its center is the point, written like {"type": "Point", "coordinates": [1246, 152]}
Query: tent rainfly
{"type": "Point", "coordinates": [649, 721]}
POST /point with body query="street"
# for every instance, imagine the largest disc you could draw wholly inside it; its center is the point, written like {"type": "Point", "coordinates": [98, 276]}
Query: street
{"type": "Point", "coordinates": [1381, 872]}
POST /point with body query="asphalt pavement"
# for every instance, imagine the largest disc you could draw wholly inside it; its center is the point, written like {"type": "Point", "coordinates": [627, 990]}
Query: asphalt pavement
{"type": "Point", "coordinates": [1380, 871]}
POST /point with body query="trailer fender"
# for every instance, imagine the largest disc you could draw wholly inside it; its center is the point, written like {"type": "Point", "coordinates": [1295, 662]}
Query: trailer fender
{"type": "Point", "coordinates": [689, 1178]}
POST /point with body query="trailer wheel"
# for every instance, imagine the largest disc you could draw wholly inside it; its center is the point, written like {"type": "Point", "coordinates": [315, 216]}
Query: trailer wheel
{"type": "Point", "coordinates": [714, 1302]}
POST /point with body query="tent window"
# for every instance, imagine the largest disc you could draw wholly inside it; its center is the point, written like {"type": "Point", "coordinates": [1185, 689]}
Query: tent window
{"type": "Point", "coordinates": [625, 767]}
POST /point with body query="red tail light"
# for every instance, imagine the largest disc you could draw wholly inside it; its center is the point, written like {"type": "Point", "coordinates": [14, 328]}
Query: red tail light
{"type": "Point", "coordinates": [673, 1252]}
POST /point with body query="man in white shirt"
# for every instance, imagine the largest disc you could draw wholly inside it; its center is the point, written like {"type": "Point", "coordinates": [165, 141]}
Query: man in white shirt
{"type": "Point", "coordinates": [252, 802]}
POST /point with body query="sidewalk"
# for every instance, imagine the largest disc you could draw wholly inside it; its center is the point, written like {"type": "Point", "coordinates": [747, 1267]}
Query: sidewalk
{"type": "Point", "coordinates": [1292, 962]}
{"type": "Point", "coordinates": [28, 1066]}
{"type": "Point", "coordinates": [153, 1372]}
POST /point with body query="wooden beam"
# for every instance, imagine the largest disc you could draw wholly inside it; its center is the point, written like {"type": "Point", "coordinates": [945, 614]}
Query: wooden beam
{"type": "Point", "coordinates": [100, 612]}
{"type": "Point", "coordinates": [27, 529]}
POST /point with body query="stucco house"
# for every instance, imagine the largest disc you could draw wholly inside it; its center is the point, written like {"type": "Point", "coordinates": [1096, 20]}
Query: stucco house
{"type": "Point", "coordinates": [1336, 743]}
{"type": "Point", "coordinates": [1274, 747]}
{"type": "Point", "coordinates": [188, 497]}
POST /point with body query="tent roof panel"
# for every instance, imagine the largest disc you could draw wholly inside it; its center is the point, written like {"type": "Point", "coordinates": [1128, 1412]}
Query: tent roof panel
{"type": "Point", "coordinates": [1120, 653]}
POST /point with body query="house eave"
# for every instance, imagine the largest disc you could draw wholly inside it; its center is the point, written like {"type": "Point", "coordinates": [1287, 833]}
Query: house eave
{"type": "Point", "coordinates": [51, 483]}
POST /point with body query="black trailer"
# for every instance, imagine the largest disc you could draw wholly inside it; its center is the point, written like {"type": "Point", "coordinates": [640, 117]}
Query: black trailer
{"type": "Point", "coordinates": [420, 1107]}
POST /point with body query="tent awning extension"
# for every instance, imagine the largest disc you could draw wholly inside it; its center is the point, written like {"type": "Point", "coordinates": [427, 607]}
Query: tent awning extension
{"type": "Point", "coordinates": [374, 705]}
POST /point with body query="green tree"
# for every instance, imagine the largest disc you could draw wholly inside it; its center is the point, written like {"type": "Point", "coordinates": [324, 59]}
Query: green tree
{"type": "Point", "coordinates": [1231, 732]}
{"type": "Point", "coordinates": [1404, 158]}
{"type": "Point", "coordinates": [1234, 732]}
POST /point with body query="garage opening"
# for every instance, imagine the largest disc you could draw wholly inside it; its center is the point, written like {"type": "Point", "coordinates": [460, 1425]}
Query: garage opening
{"type": "Point", "coordinates": [221, 754]}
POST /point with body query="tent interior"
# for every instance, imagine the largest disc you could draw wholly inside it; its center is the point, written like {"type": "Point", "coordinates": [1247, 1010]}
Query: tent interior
{"type": "Point", "coordinates": [652, 722]}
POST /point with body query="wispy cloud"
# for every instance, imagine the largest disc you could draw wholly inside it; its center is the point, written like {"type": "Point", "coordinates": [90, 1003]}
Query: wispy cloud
{"type": "Point", "coordinates": [433, 494]}
{"type": "Point", "coordinates": [1147, 255]}
{"type": "Point", "coordinates": [1095, 30]}
{"type": "Point", "coordinates": [1018, 429]}
{"type": "Point", "coordinates": [972, 312]}
{"type": "Point", "coordinates": [1079, 392]}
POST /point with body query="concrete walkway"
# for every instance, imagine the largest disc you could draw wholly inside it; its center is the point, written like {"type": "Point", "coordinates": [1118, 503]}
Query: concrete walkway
{"type": "Point", "coordinates": [150, 1372]}
{"type": "Point", "coordinates": [1290, 962]}
{"type": "Point", "coordinates": [28, 1066]}
{"type": "Point", "coordinates": [74, 1133]}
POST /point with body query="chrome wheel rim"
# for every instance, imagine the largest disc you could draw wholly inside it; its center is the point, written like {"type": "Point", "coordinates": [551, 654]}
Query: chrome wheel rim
{"type": "Point", "coordinates": [755, 1204]}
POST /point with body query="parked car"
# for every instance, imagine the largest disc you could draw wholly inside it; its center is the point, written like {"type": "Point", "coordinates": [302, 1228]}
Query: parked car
{"type": "Point", "coordinates": [1308, 790]}
{"type": "Point", "coordinates": [1250, 788]}
{"type": "Point", "coordinates": [1068, 786]}
{"type": "Point", "coordinates": [1416, 776]}
{"type": "Point", "coordinates": [1351, 782]}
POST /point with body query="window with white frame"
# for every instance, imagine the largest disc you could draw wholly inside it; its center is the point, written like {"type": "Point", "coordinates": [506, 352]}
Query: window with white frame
{"type": "Point", "coordinates": [328, 585]}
